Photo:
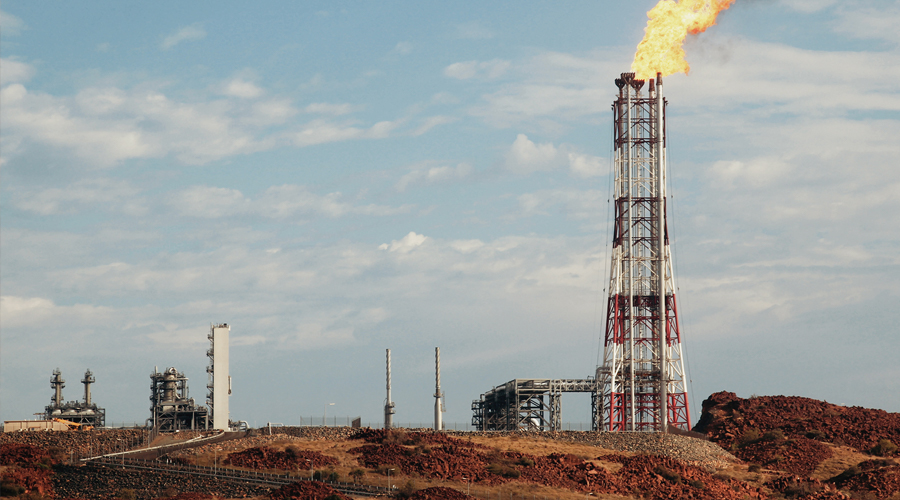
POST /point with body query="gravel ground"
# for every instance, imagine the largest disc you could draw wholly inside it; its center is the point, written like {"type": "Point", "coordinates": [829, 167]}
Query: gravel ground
{"type": "Point", "coordinates": [692, 450]}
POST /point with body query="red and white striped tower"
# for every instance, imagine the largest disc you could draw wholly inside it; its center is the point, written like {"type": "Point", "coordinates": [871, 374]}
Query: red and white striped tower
{"type": "Point", "coordinates": [642, 380]}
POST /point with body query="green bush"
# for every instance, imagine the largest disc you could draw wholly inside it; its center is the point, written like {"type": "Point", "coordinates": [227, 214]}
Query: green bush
{"type": "Point", "coordinates": [816, 434]}
{"type": "Point", "coordinates": [126, 494]}
{"type": "Point", "coordinates": [357, 473]}
{"type": "Point", "coordinates": [750, 436]}
{"type": "Point", "coordinates": [696, 483]}
{"type": "Point", "coordinates": [503, 470]}
{"type": "Point", "coordinates": [527, 462]}
{"type": "Point", "coordinates": [884, 448]}
{"type": "Point", "coordinates": [668, 474]}
{"type": "Point", "coordinates": [773, 435]}
{"type": "Point", "coordinates": [407, 490]}
{"type": "Point", "coordinates": [11, 490]}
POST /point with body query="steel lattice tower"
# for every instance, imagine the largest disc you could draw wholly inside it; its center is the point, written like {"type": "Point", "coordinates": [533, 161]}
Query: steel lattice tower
{"type": "Point", "coordinates": [642, 377]}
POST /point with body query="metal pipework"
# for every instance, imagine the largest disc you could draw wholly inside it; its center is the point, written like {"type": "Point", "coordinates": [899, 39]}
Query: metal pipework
{"type": "Point", "coordinates": [661, 255]}
{"type": "Point", "coordinates": [87, 381]}
{"type": "Point", "coordinates": [388, 405]}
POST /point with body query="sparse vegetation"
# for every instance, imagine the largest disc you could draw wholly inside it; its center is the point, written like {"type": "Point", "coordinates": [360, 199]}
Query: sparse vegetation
{"type": "Point", "coordinates": [884, 448]}
{"type": "Point", "coordinates": [668, 474]}
{"type": "Point", "coordinates": [773, 435]}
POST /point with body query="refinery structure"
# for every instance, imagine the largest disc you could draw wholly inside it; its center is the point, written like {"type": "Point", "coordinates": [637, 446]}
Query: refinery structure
{"type": "Point", "coordinates": [642, 376]}
{"type": "Point", "coordinates": [640, 386]}
{"type": "Point", "coordinates": [79, 413]}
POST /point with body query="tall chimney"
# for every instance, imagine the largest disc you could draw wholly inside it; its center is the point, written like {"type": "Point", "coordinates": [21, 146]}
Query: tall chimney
{"type": "Point", "coordinates": [388, 405]}
{"type": "Point", "coordinates": [642, 379]}
{"type": "Point", "coordinates": [438, 408]}
{"type": "Point", "coordinates": [57, 384]}
{"type": "Point", "coordinates": [87, 381]}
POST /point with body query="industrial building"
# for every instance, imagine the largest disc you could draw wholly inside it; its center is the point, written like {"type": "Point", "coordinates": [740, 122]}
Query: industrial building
{"type": "Point", "coordinates": [171, 407]}
{"type": "Point", "coordinates": [81, 413]}
{"type": "Point", "coordinates": [219, 383]}
{"type": "Point", "coordinates": [529, 404]}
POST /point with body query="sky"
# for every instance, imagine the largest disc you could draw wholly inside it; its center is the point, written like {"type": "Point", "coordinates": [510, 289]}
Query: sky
{"type": "Point", "coordinates": [333, 179]}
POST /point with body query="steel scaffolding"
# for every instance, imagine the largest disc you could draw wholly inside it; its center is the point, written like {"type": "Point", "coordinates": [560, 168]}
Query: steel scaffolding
{"type": "Point", "coordinates": [530, 404]}
{"type": "Point", "coordinates": [642, 376]}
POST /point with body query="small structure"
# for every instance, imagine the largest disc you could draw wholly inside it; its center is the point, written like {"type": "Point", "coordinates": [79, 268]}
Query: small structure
{"type": "Point", "coordinates": [83, 413]}
{"type": "Point", "coordinates": [33, 425]}
{"type": "Point", "coordinates": [171, 407]}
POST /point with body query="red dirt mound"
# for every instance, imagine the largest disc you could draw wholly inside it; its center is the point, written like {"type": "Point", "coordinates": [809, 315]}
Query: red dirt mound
{"type": "Point", "coordinates": [191, 495]}
{"type": "Point", "coordinates": [311, 490]}
{"type": "Point", "coordinates": [27, 468]}
{"type": "Point", "coordinates": [798, 456]}
{"type": "Point", "coordinates": [269, 458]}
{"type": "Point", "coordinates": [409, 438]}
{"type": "Point", "coordinates": [662, 478]}
{"type": "Point", "coordinates": [883, 481]}
{"type": "Point", "coordinates": [726, 418]}
{"type": "Point", "coordinates": [438, 493]}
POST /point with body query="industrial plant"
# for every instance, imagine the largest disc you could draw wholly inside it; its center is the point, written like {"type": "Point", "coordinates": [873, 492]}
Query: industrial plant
{"type": "Point", "coordinates": [640, 385]}
{"type": "Point", "coordinates": [77, 413]}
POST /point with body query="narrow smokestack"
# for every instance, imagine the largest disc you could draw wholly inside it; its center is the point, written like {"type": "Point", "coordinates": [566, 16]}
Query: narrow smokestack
{"type": "Point", "coordinates": [388, 405]}
{"type": "Point", "coordinates": [87, 381]}
{"type": "Point", "coordinates": [661, 254]}
{"type": "Point", "coordinates": [438, 408]}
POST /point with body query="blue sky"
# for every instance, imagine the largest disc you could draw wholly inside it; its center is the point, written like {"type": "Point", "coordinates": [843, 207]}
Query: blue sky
{"type": "Point", "coordinates": [337, 178]}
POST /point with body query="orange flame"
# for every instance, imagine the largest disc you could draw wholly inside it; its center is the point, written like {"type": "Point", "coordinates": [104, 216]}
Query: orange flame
{"type": "Point", "coordinates": [669, 24]}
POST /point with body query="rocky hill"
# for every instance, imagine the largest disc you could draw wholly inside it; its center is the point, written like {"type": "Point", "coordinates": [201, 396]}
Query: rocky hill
{"type": "Point", "coordinates": [762, 447]}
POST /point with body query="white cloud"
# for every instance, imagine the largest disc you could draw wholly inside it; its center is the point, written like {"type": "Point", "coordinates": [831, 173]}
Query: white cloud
{"type": "Point", "coordinates": [809, 5]}
{"type": "Point", "coordinates": [108, 125]}
{"type": "Point", "coordinates": [573, 203]}
{"type": "Point", "coordinates": [757, 173]}
{"type": "Point", "coordinates": [11, 25]}
{"type": "Point", "coordinates": [585, 166]}
{"type": "Point", "coordinates": [115, 195]}
{"type": "Point", "coordinates": [466, 246]}
{"type": "Point", "coordinates": [490, 70]}
{"type": "Point", "coordinates": [867, 22]}
{"type": "Point", "coordinates": [321, 132]}
{"type": "Point", "coordinates": [431, 122]}
{"type": "Point", "coordinates": [526, 157]}
{"type": "Point", "coordinates": [277, 202]}
{"type": "Point", "coordinates": [406, 244]}
{"type": "Point", "coordinates": [210, 202]}
{"type": "Point", "coordinates": [25, 311]}
{"type": "Point", "coordinates": [13, 71]}
{"type": "Point", "coordinates": [237, 87]}
{"type": "Point", "coordinates": [428, 174]}
{"type": "Point", "coordinates": [187, 33]}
